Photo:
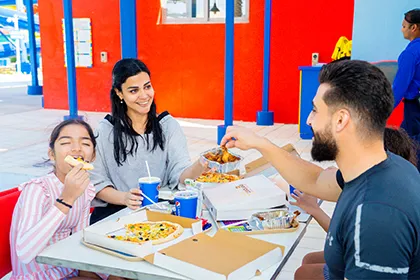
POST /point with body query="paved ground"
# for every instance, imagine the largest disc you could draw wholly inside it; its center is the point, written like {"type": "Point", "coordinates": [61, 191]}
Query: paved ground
{"type": "Point", "coordinates": [15, 80]}
{"type": "Point", "coordinates": [14, 100]}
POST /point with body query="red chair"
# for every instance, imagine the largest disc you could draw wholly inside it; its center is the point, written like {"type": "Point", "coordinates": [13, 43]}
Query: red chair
{"type": "Point", "coordinates": [7, 203]}
{"type": "Point", "coordinates": [6, 192]}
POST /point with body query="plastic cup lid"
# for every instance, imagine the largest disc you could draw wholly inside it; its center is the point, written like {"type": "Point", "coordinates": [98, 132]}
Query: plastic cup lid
{"type": "Point", "coordinates": [186, 194]}
{"type": "Point", "coordinates": [149, 180]}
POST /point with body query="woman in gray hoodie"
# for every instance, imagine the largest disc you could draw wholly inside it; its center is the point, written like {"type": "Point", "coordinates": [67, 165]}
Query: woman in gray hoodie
{"type": "Point", "coordinates": [132, 134]}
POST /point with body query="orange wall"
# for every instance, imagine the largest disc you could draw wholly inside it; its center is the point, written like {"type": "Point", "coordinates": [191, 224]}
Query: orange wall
{"type": "Point", "coordinates": [187, 61]}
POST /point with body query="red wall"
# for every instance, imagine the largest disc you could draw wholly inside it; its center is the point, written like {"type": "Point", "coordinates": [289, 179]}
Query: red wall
{"type": "Point", "coordinates": [93, 84]}
{"type": "Point", "coordinates": [187, 61]}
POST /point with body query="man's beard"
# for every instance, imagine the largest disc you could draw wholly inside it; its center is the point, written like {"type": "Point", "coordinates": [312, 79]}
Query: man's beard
{"type": "Point", "coordinates": [324, 147]}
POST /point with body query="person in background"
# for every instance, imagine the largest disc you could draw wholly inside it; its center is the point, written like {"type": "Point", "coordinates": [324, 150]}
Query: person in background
{"type": "Point", "coordinates": [313, 266]}
{"type": "Point", "coordinates": [132, 134]}
{"type": "Point", "coordinates": [53, 207]}
{"type": "Point", "coordinates": [350, 110]}
{"type": "Point", "coordinates": [406, 84]}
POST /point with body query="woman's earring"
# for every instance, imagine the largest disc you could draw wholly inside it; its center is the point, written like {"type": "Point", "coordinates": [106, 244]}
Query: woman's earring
{"type": "Point", "coordinates": [121, 101]}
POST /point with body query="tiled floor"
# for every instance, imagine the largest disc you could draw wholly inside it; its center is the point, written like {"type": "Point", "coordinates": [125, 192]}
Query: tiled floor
{"type": "Point", "coordinates": [312, 241]}
{"type": "Point", "coordinates": [24, 144]}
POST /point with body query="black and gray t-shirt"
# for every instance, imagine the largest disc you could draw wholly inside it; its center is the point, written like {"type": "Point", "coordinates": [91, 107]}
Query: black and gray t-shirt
{"type": "Point", "coordinates": [374, 232]}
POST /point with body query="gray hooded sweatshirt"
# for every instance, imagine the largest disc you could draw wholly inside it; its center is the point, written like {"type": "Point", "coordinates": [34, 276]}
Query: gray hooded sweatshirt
{"type": "Point", "coordinates": [167, 164]}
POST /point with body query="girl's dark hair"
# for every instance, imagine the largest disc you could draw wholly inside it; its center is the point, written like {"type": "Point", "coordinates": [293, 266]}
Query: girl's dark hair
{"type": "Point", "coordinates": [56, 131]}
{"type": "Point", "coordinates": [398, 142]}
{"type": "Point", "coordinates": [125, 137]}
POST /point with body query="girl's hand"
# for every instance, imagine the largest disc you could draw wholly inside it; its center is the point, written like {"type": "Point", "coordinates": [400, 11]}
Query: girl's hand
{"type": "Point", "coordinates": [75, 184]}
{"type": "Point", "coordinates": [305, 202]}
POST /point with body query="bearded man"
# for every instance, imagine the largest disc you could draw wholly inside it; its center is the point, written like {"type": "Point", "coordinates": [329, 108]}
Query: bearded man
{"type": "Point", "coordinates": [374, 232]}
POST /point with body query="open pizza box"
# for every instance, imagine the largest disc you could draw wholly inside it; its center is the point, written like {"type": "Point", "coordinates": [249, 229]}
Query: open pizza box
{"type": "Point", "coordinates": [96, 234]}
{"type": "Point", "coordinates": [257, 166]}
{"type": "Point", "coordinates": [252, 168]}
{"type": "Point", "coordinates": [226, 255]}
{"type": "Point", "coordinates": [237, 201]}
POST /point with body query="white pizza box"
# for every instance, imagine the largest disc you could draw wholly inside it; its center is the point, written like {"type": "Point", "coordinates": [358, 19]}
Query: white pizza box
{"type": "Point", "coordinates": [226, 255]}
{"type": "Point", "coordinates": [96, 234]}
{"type": "Point", "coordinates": [240, 199]}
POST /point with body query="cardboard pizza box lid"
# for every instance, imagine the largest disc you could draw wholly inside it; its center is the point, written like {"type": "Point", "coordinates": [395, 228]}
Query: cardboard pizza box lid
{"type": "Point", "coordinates": [234, 172]}
{"type": "Point", "coordinates": [227, 255]}
{"type": "Point", "coordinates": [261, 164]}
{"type": "Point", "coordinates": [184, 222]}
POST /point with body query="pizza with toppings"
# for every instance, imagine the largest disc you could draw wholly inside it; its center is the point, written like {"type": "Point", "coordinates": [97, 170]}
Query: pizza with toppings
{"type": "Point", "coordinates": [157, 232]}
{"type": "Point", "coordinates": [73, 161]}
{"type": "Point", "coordinates": [213, 177]}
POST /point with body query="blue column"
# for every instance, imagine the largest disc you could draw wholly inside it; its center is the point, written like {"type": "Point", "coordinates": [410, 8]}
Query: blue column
{"type": "Point", "coordinates": [35, 88]}
{"type": "Point", "coordinates": [71, 65]}
{"type": "Point", "coordinates": [266, 117]}
{"type": "Point", "coordinates": [229, 50]}
{"type": "Point", "coordinates": [128, 28]}
{"type": "Point", "coordinates": [193, 8]}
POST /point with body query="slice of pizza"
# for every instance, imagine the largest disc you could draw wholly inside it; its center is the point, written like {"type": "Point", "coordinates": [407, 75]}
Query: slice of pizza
{"type": "Point", "coordinates": [132, 239]}
{"type": "Point", "coordinates": [75, 161]}
{"type": "Point", "coordinates": [214, 177]}
{"type": "Point", "coordinates": [157, 232]}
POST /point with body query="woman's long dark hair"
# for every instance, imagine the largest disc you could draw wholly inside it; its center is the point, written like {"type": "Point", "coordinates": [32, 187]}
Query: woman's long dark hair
{"type": "Point", "coordinates": [125, 137]}
{"type": "Point", "coordinates": [397, 141]}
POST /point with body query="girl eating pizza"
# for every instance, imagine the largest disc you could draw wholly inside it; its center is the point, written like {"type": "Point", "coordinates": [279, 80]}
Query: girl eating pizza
{"type": "Point", "coordinates": [53, 207]}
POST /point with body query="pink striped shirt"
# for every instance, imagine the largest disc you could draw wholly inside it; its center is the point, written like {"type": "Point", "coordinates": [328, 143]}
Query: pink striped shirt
{"type": "Point", "coordinates": [38, 223]}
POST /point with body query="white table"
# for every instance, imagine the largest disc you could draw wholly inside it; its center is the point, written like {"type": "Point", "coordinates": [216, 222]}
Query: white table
{"type": "Point", "coordinates": [71, 253]}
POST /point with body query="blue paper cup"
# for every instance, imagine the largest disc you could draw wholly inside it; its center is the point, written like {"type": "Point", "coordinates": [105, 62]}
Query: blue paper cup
{"type": "Point", "coordinates": [150, 187]}
{"type": "Point", "coordinates": [186, 204]}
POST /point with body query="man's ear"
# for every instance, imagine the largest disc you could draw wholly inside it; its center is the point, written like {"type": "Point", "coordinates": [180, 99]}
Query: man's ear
{"type": "Point", "coordinates": [342, 119]}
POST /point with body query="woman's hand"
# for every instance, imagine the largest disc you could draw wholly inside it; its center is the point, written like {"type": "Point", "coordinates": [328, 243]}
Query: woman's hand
{"type": "Point", "coordinates": [204, 166]}
{"type": "Point", "coordinates": [194, 171]}
{"type": "Point", "coordinates": [133, 199]}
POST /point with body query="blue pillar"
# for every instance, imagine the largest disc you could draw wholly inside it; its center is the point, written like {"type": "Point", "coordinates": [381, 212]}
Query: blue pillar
{"type": "Point", "coordinates": [193, 8]}
{"type": "Point", "coordinates": [266, 117]}
{"type": "Point", "coordinates": [128, 29]}
{"type": "Point", "coordinates": [35, 88]}
{"type": "Point", "coordinates": [229, 50]}
{"type": "Point", "coordinates": [71, 65]}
